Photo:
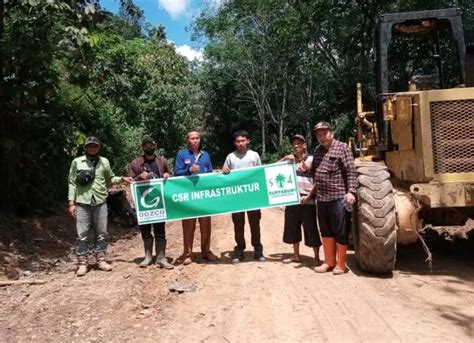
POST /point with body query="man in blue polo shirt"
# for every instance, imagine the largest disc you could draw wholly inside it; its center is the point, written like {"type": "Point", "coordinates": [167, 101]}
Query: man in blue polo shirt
{"type": "Point", "coordinates": [191, 161]}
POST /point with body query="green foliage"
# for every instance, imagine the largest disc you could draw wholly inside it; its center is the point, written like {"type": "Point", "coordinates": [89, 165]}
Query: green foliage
{"type": "Point", "coordinates": [69, 69]}
{"type": "Point", "coordinates": [70, 72]}
{"type": "Point", "coordinates": [275, 67]}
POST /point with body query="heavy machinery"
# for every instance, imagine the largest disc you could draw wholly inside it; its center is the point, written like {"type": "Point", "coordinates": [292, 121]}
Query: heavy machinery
{"type": "Point", "coordinates": [416, 151]}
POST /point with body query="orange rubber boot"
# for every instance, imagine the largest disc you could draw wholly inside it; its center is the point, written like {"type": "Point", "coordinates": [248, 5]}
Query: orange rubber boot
{"type": "Point", "coordinates": [329, 245]}
{"type": "Point", "coordinates": [341, 259]}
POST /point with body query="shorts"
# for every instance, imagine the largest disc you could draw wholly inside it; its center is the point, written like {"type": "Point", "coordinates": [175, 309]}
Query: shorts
{"type": "Point", "coordinates": [297, 216]}
{"type": "Point", "coordinates": [334, 220]}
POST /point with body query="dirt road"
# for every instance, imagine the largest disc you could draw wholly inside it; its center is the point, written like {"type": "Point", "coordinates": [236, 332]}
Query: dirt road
{"type": "Point", "coordinates": [252, 301]}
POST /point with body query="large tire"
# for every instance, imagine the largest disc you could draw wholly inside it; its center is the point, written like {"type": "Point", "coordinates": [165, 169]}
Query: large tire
{"type": "Point", "coordinates": [374, 219]}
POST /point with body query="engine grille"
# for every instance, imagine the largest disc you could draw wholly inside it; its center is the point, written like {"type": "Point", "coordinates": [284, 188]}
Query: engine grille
{"type": "Point", "coordinates": [452, 131]}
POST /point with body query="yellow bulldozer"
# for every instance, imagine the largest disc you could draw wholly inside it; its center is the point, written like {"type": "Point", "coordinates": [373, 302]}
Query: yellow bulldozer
{"type": "Point", "coordinates": [415, 152]}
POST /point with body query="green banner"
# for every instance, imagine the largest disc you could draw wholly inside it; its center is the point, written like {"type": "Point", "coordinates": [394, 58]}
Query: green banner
{"type": "Point", "coordinates": [201, 195]}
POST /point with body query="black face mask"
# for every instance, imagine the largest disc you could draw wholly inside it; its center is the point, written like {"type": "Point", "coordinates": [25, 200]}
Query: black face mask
{"type": "Point", "coordinates": [91, 157]}
{"type": "Point", "coordinates": [149, 152]}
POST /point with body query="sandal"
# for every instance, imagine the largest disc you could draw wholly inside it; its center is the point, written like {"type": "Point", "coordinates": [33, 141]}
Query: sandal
{"type": "Point", "coordinates": [291, 260]}
{"type": "Point", "coordinates": [184, 260]}
{"type": "Point", "coordinates": [187, 261]}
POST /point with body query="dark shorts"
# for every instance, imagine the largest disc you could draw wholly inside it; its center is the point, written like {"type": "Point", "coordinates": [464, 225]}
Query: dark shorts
{"type": "Point", "coordinates": [297, 216]}
{"type": "Point", "coordinates": [334, 220]}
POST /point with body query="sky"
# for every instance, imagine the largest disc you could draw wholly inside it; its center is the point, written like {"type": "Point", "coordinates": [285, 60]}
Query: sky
{"type": "Point", "coordinates": [176, 16]}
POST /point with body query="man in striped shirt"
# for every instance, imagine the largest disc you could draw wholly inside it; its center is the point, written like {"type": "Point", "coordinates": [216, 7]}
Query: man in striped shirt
{"type": "Point", "coordinates": [335, 188]}
{"type": "Point", "coordinates": [301, 214]}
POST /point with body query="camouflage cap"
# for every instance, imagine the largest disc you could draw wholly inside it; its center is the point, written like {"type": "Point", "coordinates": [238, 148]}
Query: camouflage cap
{"type": "Point", "coordinates": [91, 140]}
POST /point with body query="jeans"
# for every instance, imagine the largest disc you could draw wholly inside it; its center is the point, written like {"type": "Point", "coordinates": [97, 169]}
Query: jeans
{"type": "Point", "coordinates": [91, 220]}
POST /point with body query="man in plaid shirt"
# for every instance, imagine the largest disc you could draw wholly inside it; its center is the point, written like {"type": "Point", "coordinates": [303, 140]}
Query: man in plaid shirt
{"type": "Point", "coordinates": [335, 186]}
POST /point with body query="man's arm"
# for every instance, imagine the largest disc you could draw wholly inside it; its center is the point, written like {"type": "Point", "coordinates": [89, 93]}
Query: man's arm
{"type": "Point", "coordinates": [312, 169]}
{"type": "Point", "coordinates": [72, 188]}
{"type": "Point", "coordinates": [166, 170]}
{"type": "Point", "coordinates": [348, 169]}
{"type": "Point", "coordinates": [306, 199]}
{"type": "Point", "coordinates": [110, 177]}
{"type": "Point", "coordinates": [180, 168]}
{"type": "Point", "coordinates": [227, 165]}
{"type": "Point", "coordinates": [132, 172]}
{"type": "Point", "coordinates": [258, 162]}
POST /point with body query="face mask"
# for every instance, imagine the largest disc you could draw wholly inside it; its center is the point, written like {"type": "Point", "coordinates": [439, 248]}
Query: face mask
{"type": "Point", "coordinates": [149, 152]}
{"type": "Point", "coordinates": [90, 156]}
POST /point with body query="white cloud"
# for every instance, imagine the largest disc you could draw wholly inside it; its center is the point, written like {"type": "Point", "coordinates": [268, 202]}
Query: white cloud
{"type": "Point", "coordinates": [189, 52]}
{"type": "Point", "coordinates": [215, 4]}
{"type": "Point", "coordinates": [175, 8]}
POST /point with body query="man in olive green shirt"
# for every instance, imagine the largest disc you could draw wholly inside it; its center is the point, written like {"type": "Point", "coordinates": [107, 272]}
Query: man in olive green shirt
{"type": "Point", "coordinates": [89, 177]}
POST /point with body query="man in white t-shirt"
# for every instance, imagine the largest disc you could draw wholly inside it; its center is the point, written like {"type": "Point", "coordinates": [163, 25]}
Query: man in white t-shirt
{"type": "Point", "coordinates": [243, 157]}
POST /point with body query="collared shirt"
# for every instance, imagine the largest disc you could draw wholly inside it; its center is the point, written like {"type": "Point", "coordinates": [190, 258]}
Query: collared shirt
{"type": "Point", "coordinates": [96, 192]}
{"type": "Point", "coordinates": [334, 171]}
{"type": "Point", "coordinates": [237, 160]}
{"type": "Point", "coordinates": [139, 165]}
{"type": "Point", "coordinates": [186, 158]}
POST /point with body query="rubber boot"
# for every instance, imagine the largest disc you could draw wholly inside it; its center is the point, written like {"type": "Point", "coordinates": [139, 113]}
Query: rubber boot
{"type": "Point", "coordinates": [160, 255]}
{"type": "Point", "coordinates": [101, 263]}
{"type": "Point", "coordinates": [341, 259]}
{"type": "Point", "coordinates": [148, 244]}
{"type": "Point", "coordinates": [329, 245]}
{"type": "Point", "coordinates": [81, 265]}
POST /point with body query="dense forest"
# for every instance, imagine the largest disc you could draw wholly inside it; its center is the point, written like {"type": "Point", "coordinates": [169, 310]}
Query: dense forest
{"type": "Point", "coordinates": [70, 69]}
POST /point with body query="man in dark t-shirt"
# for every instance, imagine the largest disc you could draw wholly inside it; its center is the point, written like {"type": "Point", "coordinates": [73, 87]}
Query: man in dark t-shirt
{"type": "Point", "coordinates": [146, 167]}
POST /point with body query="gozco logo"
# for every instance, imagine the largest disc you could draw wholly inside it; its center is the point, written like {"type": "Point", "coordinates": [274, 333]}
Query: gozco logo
{"type": "Point", "coordinates": [156, 200]}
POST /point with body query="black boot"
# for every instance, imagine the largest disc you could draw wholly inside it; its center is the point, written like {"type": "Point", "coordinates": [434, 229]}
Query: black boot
{"type": "Point", "coordinates": [160, 255]}
{"type": "Point", "coordinates": [258, 255]}
{"type": "Point", "coordinates": [148, 244]}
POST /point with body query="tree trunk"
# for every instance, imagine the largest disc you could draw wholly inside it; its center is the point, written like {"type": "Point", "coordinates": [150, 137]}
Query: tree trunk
{"type": "Point", "coordinates": [263, 133]}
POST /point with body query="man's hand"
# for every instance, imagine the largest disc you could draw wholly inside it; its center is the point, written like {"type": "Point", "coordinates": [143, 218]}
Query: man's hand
{"type": "Point", "coordinates": [127, 179]}
{"type": "Point", "coordinates": [289, 157]}
{"type": "Point", "coordinates": [71, 210]}
{"type": "Point", "coordinates": [305, 200]}
{"type": "Point", "coordinates": [302, 167]}
{"type": "Point", "coordinates": [145, 175]}
{"type": "Point", "coordinates": [194, 168]}
{"type": "Point", "coordinates": [166, 175]}
{"type": "Point", "coordinates": [225, 170]}
{"type": "Point", "coordinates": [349, 199]}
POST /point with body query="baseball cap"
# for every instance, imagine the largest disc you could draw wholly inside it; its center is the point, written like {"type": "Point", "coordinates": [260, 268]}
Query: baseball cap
{"type": "Point", "coordinates": [297, 136]}
{"type": "Point", "coordinates": [323, 125]}
{"type": "Point", "coordinates": [91, 140]}
{"type": "Point", "coordinates": [148, 139]}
